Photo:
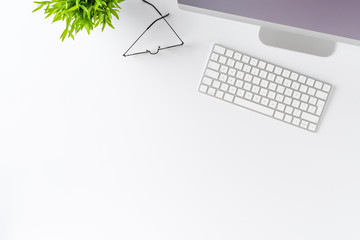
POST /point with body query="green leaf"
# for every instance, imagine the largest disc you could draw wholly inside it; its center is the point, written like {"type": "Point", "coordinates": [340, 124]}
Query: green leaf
{"type": "Point", "coordinates": [98, 2]}
{"type": "Point", "coordinates": [38, 8]}
{"type": "Point", "coordinates": [71, 9]}
{"type": "Point", "coordinates": [104, 24]}
{"type": "Point", "coordinates": [115, 14]}
{"type": "Point", "coordinates": [109, 23]}
{"type": "Point", "coordinates": [43, 2]}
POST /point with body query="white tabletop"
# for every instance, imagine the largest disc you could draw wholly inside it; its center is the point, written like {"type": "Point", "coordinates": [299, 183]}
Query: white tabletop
{"type": "Point", "coordinates": [97, 146]}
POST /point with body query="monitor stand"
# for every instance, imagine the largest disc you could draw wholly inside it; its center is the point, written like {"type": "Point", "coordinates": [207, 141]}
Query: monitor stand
{"type": "Point", "coordinates": [297, 42]}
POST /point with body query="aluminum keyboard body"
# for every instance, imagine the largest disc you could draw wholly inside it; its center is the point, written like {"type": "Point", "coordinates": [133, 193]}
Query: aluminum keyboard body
{"type": "Point", "coordinates": [264, 87]}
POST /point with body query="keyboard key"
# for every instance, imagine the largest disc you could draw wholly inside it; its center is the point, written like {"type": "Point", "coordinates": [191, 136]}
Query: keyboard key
{"type": "Point", "coordinates": [296, 95]}
{"type": "Point", "coordinates": [232, 90]}
{"type": "Point", "coordinates": [237, 56]}
{"type": "Point", "coordinates": [228, 97]}
{"type": "Point", "coordinates": [295, 85]}
{"type": "Point", "coordinates": [311, 91]}
{"type": "Point", "coordinates": [270, 67]}
{"type": "Point", "coordinates": [311, 109]}
{"type": "Point", "coordinates": [264, 101]}
{"type": "Point", "coordinates": [294, 76]}
{"type": "Point", "coordinates": [263, 92]}
{"type": "Point", "coordinates": [303, 88]}
{"type": "Point", "coordinates": [255, 89]}
{"type": "Point", "coordinates": [256, 98]}
{"type": "Point", "coordinates": [304, 98]}
{"type": "Point", "coordinates": [302, 79]}
{"type": "Point", "coordinates": [224, 69]}
{"type": "Point", "coordinates": [211, 73]}
{"type": "Point", "coordinates": [222, 59]}
{"type": "Point", "coordinates": [214, 65]}
{"type": "Point", "coordinates": [285, 73]}
{"type": "Point", "coordinates": [230, 62]}
{"type": "Point", "coordinates": [289, 109]}
{"type": "Point", "coordinates": [279, 80]}
{"type": "Point", "coordinates": [320, 106]}
{"type": "Point", "coordinates": [256, 80]}
{"type": "Point", "coordinates": [318, 85]}
{"type": "Point", "coordinates": [310, 82]}
{"type": "Point", "coordinates": [231, 81]}
{"type": "Point", "coordinates": [254, 106]}
{"type": "Point", "coordinates": [279, 97]}
{"type": "Point", "coordinates": [219, 49]}
{"type": "Point", "coordinates": [271, 77]}
{"type": "Point", "coordinates": [207, 81]}
{"type": "Point", "coordinates": [203, 88]}
{"type": "Point", "coordinates": [219, 94]}
{"type": "Point", "coordinates": [240, 93]}
{"type": "Point", "coordinates": [262, 65]}
{"type": "Point", "coordinates": [223, 77]}
{"type": "Point", "coordinates": [232, 72]}
{"type": "Point", "coordinates": [287, 100]}
{"type": "Point", "coordinates": [295, 103]}
{"type": "Point", "coordinates": [280, 89]}
{"type": "Point", "coordinates": [245, 59]}
{"type": "Point", "coordinates": [271, 95]}
{"type": "Point", "coordinates": [272, 104]}
{"type": "Point", "coordinates": [280, 107]}
{"type": "Point", "coordinates": [279, 115]}
{"type": "Point", "coordinates": [239, 83]}
{"type": "Point", "coordinates": [278, 70]}
{"type": "Point", "coordinates": [211, 91]}
{"type": "Point", "coordinates": [304, 106]}
{"type": "Point", "coordinates": [214, 56]}
{"type": "Point", "coordinates": [253, 62]}
{"type": "Point", "coordinates": [297, 113]}
{"type": "Point", "coordinates": [272, 86]}
{"type": "Point", "coordinates": [264, 83]}
{"type": "Point", "coordinates": [304, 124]}
{"type": "Point", "coordinates": [326, 88]}
{"type": "Point", "coordinates": [287, 82]}
{"type": "Point", "coordinates": [247, 86]}
{"type": "Point", "coordinates": [288, 118]}
{"type": "Point", "coordinates": [321, 94]}
{"type": "Point", "coordinates": [296, 121]}
{"type": "Point", "coordinates": [248, 95]}
{"type": "Point", "coordinates": [240, 75]}
{"type": "Point", "coordinates": [216, 84]}
{"type": "Point", "coordinates": [246, 68]}
{"type": "Point", "coordinates": [224, 87]}
{"type": "Point", "coordinates": [229, 53]}
{"type": "Point", "coordinates": [312, 127]}
{"type": "Point", "coordinates": [309, 117]}
{"type": "Point", "coordinates": [239, 65]}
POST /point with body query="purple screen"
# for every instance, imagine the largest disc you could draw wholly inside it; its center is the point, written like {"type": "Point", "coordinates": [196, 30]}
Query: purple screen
{"type": "Point", "coordinates": [335, 17]}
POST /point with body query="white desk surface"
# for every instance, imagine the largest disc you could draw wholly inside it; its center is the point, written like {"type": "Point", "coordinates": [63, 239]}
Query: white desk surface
{"type": "Point", "coordinates": [97, 146]}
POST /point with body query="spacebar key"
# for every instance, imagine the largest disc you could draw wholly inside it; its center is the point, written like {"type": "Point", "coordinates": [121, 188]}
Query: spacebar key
{"type": "Point", "coordinates": [253, 106]}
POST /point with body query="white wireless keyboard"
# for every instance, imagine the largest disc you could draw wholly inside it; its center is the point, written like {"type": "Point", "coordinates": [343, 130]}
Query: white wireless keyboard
{"type": "Point", "coordinates": [265, 88]}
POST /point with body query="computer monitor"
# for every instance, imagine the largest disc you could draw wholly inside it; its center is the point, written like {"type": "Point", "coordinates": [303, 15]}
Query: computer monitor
{"type": "Point", "coordinates": [290, 23]}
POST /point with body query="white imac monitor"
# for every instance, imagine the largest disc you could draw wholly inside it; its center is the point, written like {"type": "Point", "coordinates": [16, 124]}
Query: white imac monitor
{"type": "Point", "coordinates": [311, 26]}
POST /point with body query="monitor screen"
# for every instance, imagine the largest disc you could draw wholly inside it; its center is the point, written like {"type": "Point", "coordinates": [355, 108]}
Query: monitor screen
{"type": "Point", "coordinates": [334, 17]}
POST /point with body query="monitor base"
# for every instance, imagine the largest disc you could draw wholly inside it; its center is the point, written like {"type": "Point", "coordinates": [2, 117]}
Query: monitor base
{"type": "Point", "coordinates": [297, 42]}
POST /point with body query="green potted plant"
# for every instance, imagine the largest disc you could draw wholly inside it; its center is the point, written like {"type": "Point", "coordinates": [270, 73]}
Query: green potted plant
{"type": "Point", "coordinates": [81, 14]}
